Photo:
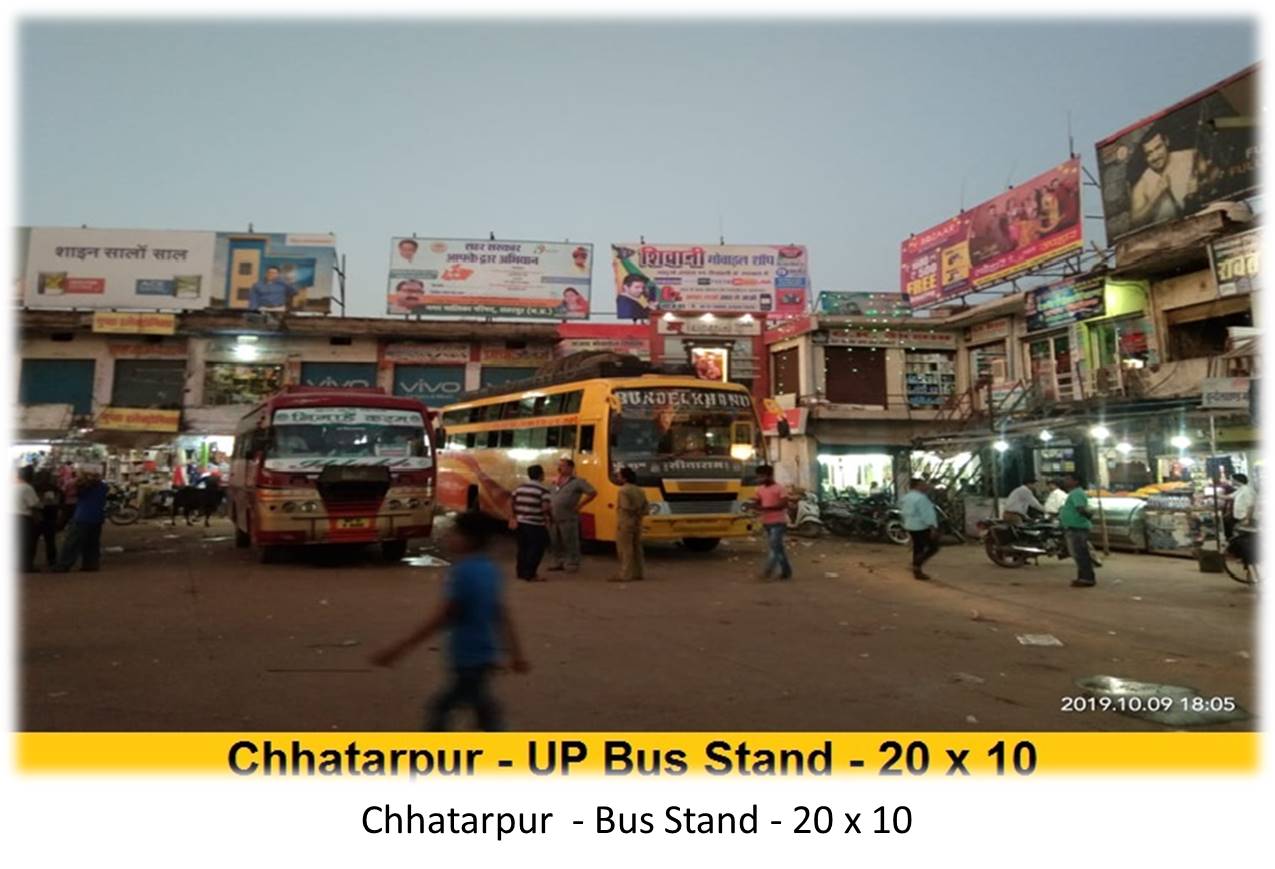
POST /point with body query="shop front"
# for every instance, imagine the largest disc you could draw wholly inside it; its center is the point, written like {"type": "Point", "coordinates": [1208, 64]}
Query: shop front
{"type": "Point", "coordinates": [987, 349]}
{"type": "Point", "coordinates": [721, 348]}
{"type": "Point", "coordinates": [511, 361]}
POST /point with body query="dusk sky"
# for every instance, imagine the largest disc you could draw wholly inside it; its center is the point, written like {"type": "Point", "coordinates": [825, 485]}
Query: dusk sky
{"type": "Point", "coordinates": [843, 135]}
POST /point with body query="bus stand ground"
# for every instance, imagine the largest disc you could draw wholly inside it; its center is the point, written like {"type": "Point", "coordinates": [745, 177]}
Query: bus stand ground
{"type": "Point", "coordinates": [181, 631]}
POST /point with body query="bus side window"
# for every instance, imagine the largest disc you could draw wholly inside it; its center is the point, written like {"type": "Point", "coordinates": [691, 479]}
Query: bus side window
{"type": "Point", "coordinates": [567, 437]}
{"type": "Point", "coordinates": [586, 439]}
{"type": "Point", "coordinates": [507, 438]}
{"type": "Point", "coordinates": [551, 435]}
{"type": "Point", "coordinates": [571, 401]}
{"type": "Point", "coordinates": [493, 438]}
{"type": "Point", "coordinates": [541, 407]}
{"type": "Point", "coordinates": [535, 438]}
{"type": "Point", "coordinates": [471, 440]}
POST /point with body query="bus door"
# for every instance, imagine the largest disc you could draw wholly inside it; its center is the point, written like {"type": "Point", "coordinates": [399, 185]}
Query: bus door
{"type": "Point", "coordinates": [590, 459]}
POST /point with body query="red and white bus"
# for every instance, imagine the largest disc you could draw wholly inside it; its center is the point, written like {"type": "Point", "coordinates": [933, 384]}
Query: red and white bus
{"type": "Point", "coordinates": [314, 465]}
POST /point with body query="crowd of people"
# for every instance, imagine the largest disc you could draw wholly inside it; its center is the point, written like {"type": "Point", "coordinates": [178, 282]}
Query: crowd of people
{"type": "Point", "coordinates": [60, 501]}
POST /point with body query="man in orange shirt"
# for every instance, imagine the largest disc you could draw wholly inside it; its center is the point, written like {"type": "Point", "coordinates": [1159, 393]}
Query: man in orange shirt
{"type": "Point", "coordinates": [772, 503]}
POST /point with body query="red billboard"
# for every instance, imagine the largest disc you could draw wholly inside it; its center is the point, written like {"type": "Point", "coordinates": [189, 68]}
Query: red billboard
{"type": "Point", "coordinates": [1025, 226]}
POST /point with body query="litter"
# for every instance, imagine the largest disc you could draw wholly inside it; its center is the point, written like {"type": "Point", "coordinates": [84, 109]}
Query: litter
{"type": "Point", "coordinates": [1039, 640]}
{"type": "Point", "coordinates": [426, 561]}
{"type": "Point", "coordinates": [970, 719]}
{"type": "Point", "coordinates": [1243, 654]}
{"type": "Point", "coordinates": [216, 539]}
{"type": "Point", "coordinates": [1170, 660]}
{"type": "Point", "coordinates": [1135, 597]}
{"type": "Point", "coordinates": [113, 549]}
{"type": "Point", "coordinates": [323, 601]}
{"type": "Point", "coordinates": [968, 677]}
{"type": "Point", "coordinates": [831, 575]}
{"type": "Point", "coordinates": [806, 543]}
{"type": "Point", "coordinates": [172, 536]}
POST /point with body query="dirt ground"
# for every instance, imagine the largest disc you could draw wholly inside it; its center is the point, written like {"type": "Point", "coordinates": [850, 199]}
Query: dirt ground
{"type": "Point", "coordinates": [181, 631]}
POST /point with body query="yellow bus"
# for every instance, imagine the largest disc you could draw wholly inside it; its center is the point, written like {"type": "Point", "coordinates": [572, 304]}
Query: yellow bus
{"type": "Point", "coordinates": [694, 445]}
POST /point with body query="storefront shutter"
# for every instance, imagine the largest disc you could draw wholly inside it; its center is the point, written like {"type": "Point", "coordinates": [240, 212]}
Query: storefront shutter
{"type": "Point", "coordinates": [855, 375]}
{"type": "Point", "coordinates": [58, 381]}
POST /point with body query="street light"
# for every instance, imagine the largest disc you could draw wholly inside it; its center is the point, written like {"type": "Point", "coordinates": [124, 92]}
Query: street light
{"type": "Point", "coordinates": [1000, 446]}
{"type": "Point", "coordinates": [1124, 448]}
{"type": "Point", "coordinates": [1099, 433]}
{"type": "Point", "coordinates": [1181, 441]}
{"type": "Point", "coordinates": [1046, 436]}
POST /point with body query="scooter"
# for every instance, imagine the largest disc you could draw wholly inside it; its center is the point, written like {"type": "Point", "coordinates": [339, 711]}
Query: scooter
{"type": "Point", "coordinates": [804, 519]}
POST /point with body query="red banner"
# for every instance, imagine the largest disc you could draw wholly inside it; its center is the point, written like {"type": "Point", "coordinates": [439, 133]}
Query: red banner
{"type": "Point", "coordinates": [1021, 228]}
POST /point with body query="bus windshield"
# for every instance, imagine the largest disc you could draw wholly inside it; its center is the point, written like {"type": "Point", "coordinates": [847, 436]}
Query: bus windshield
{"type": "Point", "coordinates": [363, 434]}
{"type": "Point", "coordinates": [684, 423]}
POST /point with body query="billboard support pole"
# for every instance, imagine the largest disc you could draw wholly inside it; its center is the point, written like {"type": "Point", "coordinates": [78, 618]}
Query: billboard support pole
{"type": "Point", "coordinates": [340, 280]}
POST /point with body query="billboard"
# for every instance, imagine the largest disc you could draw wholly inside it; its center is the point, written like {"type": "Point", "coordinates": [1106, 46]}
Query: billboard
{"type": "Point", "coordinates": [1030, 224]}
{"type": "Point", "coordinates": [458, 277]}
{"type": "Point", "coordinates": [1237, 263]}
{"type": "Point", "coordinates": [686, 277]}
{"type": "Point", "coordinates": [273, 271]}
{"type": "Point", "coordinates": [890, 306]}
{"type": "Point", "coordinates": [1064, 303]}
{"type": "Point", "coordinates": [118, 268]}
{"type": "Point", "coordinates": [1173, 164]}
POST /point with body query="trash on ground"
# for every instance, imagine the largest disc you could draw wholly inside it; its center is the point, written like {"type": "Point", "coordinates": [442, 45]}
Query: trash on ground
{"type": "Point", "coordinates": [968, 677]}
{"type": "Point", "coordinates": [113, 549]}
{"type": "Point", "coordinates": [1171, 705]}
{"type": "Point", "coordinates": [806, 543]}
{"type": "Point", "coordinates": [1242, 654]}
{"type": "Point", "coordinates": [344, 644]}
{"type": "Point", "coordinates": [1039, 640]}
{"type": "Point", "coordinates": [970, 719]}
{"type": "Point", "coordinates": [426, 561]}
{"type": "Point", "coordinates": [1136, 597]}
{"type": "Point", "coordinates": [323, 601]}
{"type": "Point", "coordinates": [831, 575]}
{"type": "Point", "coordinates": [216, 539]}
{"type": "Point", "coordinates": [172, 536]}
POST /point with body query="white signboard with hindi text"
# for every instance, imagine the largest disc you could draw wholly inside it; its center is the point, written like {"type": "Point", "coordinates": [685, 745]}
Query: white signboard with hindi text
{"type": "Point", "coordinates": [118, 268]}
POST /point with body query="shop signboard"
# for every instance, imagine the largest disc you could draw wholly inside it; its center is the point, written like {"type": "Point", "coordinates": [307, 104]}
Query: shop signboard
{"type": "Point", "coordinates": [633, 346]}
{"type": "Point", "coordinates": [1225, 393]}
{"type": "Point", "coordinates": [529, 356]}
{"type": "Point", "coordinates": [128, 323]}
{"type": "Point", "coordinates": [138, 419]}
{"type": "Point", "coordinates": [992, 330]}
{"type": "Point", "coordinates": [118, 268]}
{"type": "Point", "coordinates": [455, 353]}
{"type": "Point", "coordinates": [1033, 223]}
{"type": "Point", "coordinates": [718, 278]}
{"type": "Point", "coordinates": [1237, 263]}
{"type": "Point", "coordinates": [451, 277]}
{"type": "Point", "coordinates": [1065, 303]}
{"type": "Point", "coordinates": [1171, 165]}
{"type": "Point", "coordinates": [910, 338]}
{"type": "Point", "coordinates": [339, 375]}
{"type": "Point", "coordinates": [274, 271]}
{"type": "Point", "coordinates": [772, 412]}
{"type": "Point", "coordinates": [782, 330]}
{"type": "Point", "coordinates": [712, 326]}
{"type": "Point", "coordinates": [435, 385]}
{"type": "Point", "coordinates": [890, 306]}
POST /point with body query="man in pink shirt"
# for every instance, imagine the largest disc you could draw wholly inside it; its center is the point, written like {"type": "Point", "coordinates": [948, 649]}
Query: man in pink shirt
{"type": "Point", "coordinates": [772, 503]}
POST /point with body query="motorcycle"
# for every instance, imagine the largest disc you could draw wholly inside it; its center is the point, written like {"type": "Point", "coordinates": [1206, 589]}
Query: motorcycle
{"type": "Point", "coordinates": [872, 517]}
{"type": "Point", "coordinates": [1013, 546]}
{"type": "Point", "coordinates": [120, 508]}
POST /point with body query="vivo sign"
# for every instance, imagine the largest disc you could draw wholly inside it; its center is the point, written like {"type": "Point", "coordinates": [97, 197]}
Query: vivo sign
{"type": "Point", "coordinates": [435, 385]}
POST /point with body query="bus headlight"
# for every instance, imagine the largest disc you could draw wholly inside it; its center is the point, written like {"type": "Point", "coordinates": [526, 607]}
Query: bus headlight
{"type": "Point", "coordinates": [413, 503]}
{"type": "Point", "coordinates": [396, 504]}
{"type": "Point", "coordinates": [310, 507]}
{"type": "Point", "coordinates": [289, 506]}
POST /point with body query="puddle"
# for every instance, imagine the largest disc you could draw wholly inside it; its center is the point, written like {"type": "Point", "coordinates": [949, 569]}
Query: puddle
{"type": "Point", "coordinates": [426, 561]}
{"type": "Point", "coordinates": [1171, 705]}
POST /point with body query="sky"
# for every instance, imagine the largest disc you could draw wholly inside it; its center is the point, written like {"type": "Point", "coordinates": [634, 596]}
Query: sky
{"type": "Point", "coordinates": [842, 135]}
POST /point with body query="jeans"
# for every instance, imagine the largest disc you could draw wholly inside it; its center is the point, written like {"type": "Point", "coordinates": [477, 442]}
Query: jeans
{"type": "Point", "coordinates": [924, 545]}
{"type": "Point", "coordinates": [468, 688]}
{"type": "Point", "coordinates": [532, 541]}
{"type": "Point", "coordinates": [778, 558]}
{"type": "Point", "coordinates": [83, 540]}
{"type": "Point", "coordinates": [566, 542]}
{"type": "Point", "coordinates": [1078, 543]}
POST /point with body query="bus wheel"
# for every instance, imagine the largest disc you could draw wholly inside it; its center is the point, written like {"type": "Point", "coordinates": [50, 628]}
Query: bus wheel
{"type": "Point", "coordinates": [701, 544]}
{"type": "Point", "coordinates": [393, 550]}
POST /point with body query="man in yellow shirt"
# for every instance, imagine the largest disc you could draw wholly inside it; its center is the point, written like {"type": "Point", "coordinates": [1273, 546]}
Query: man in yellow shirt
{"type": "Point", "coordinates": [631, 506]}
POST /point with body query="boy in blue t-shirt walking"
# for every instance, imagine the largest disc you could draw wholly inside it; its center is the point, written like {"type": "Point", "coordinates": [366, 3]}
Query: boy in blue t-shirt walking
{"type": "Point", "coordinates": [473, 612]}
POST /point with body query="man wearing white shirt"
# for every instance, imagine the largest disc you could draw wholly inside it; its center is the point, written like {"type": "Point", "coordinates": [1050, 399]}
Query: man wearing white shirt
{"type": "Point", "coordinates": [1018, 503]}
{"type": "Point", "coordinates": [1243, 504]}
{"type": "Point", "coordinates": [1057, 497]}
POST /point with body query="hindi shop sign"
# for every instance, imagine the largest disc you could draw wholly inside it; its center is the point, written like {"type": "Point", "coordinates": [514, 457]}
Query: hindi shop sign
{"type": "Point", "coordinates": [447, 277]}
{"type": "Point", "coordinates": [1226, 393]}
{"type": "Point", "coordinates": [118, 268]}
{"type": "Point", "coordinates": [1237, 263]}
{"type": "Point", "coordinates": [1064, 303]}
{"type": "Point", "coordinates": [1033, 223]}
{"type": "Point", "coordinates": [137, 419]}
{"type": "Point", "coordinates": [909, 338]}
{"type": "Point", "coordinates": [716, 278]}
{"type": "Point", "coordinates": [121, 323]}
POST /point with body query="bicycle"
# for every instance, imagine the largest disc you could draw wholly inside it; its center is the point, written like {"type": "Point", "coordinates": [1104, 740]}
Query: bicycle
{"type": "Point", "coordinates": [1239, 559]}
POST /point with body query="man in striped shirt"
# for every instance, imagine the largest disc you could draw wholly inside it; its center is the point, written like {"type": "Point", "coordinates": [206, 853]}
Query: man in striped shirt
{"type": "Point", "coordinates": [531, 508]}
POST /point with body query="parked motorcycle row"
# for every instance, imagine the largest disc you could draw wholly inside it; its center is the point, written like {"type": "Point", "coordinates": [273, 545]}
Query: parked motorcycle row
{"type": "Point", "coordinates": [872, 517]}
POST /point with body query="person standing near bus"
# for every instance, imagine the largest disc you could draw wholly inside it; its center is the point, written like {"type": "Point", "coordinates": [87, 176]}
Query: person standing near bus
{"type": "Point", "coordinates": [630, 507]}
{"type": "Point", "coordinates": [570, 496]}
{"type": "Point", "coordinates": [772, 502]}
{"type": "Point", "coordinates": [532, 505]}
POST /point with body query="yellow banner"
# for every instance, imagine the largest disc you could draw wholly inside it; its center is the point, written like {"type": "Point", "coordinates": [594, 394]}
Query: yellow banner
{"type": "Point", "coordinates": [138, 419]}
{"type": "Point", "coordinates": [747, 755]}
{"type": "Point", "coordinates": [116, 322]}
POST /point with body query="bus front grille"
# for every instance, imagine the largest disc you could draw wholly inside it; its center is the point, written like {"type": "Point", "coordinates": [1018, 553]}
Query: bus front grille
{"type": "Point", "coordinates": [683, 508]}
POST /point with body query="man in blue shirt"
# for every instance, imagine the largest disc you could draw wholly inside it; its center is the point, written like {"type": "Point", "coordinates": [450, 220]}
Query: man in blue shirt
{"type": "Point", "coordinates": [473, 613]}
{"type": "Point", "coordinates": [273, 292]}
{"type": "Point", "coordinates": [922, 523]}
{"type": "Point", "coordinates": [84, 532]}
